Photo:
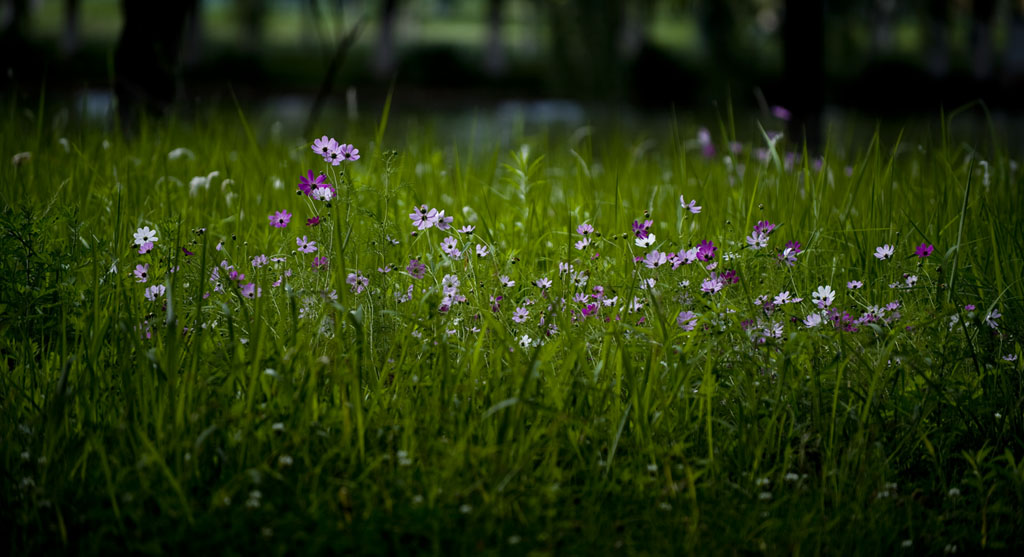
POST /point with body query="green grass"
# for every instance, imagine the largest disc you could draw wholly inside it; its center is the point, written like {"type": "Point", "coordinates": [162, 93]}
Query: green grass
{"type": "Point", "coordinates": [291, 423]}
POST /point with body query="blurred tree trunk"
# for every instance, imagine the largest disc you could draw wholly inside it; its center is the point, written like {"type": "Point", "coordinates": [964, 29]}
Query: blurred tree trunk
{"type": "Point", "coordinates": [146, 61]}
{"type": "Point", "coordinates": [252, 14]}
{"type": "Point", "coordinates": [384, 58]}
{"type": "Point", "coordinates": [69, 38]}
{"type": "Point", "coordinates": [495, 61]}
{"type": "Point", "coordinates": [803, 45]}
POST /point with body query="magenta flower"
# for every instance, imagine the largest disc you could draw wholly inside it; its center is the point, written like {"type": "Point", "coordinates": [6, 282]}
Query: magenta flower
{"type": "Point", "coordinates": [764, 227]}
{"type": "Point", "coordinates": [348, 152]}
{"type": "Point", "coordinates": [142, 273]}
{"type": "Point", "coordinates": [655, 259]}
{"type": "Point", "coordinates": [305, 245]}
{"type": "Point", "coordinates": [640, 229]}
{"type": "Point", "coordinates": [584, 229]}
{"type": "Point", "coordinates": [314, 221]}
{"type": "Point", "coordinates": [280, 219]}
{"type": "Point", "coordinates": [924, 250]}
{"type": "Point", "coordinates": [311, 181]}
{"type": "Point", "coordinates": [706, 250]}
{"type": "Point", "coordinates": [259, 261]}
{"type": "Point", "coordinates": [319, 263]}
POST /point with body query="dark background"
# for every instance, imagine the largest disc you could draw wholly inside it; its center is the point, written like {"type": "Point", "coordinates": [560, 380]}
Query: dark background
{"type": "Point", "coordinates": [880, 57]}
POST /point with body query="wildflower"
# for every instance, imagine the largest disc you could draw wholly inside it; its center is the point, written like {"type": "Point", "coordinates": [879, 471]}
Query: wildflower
{"type": "Point", "coordinates": [691, 206]}
{"type": "Point", "coordinates": [823, 296]}
{"type": "Point", "coordinates": [706, 250]}
{"type": "Point", "coordinates": [990, 319]}
{"type": "Point", "coordinates": [646, 241]}
{"type": "Point", "coordinates": [348, 152]}
{"type": "Point", "coordinates": [525, 341]}
{"type": "Point", "coordinates": [313, 221]}
{"type": "Point", "coordinates": [782, 298]}
{"type": "Point", "coordinates": [757, 240]}
{"type": "Point", "coordinates": [506, 282]}
{"type": "Point", "coordinates": [564, 267]}
{"type": "Point", "coordinates": [687, 320]}
{"type": "Point", "coordinates": [142, 273]}
{"type": "Point", "coordinates": [259, 261]}
{"type": "Point", "coordinates": [145, 248]}
{"type": "Point", "coordinates": [640, 229]}
{"type": "Point", "coordinates": [468, 229]}
{"type": "Point", "coordinates": [305, 245]}
{"type": "Point", "coordinates": [324, 146]}
{"type": "Point", "coordinates": [250, 290]}
{"type": "Point", "coordinates": [812, 320]}
{"type": "Point", "coordinates": [450, 284]}
{"type": "Point", "coordinates": [320, 263]}
{"type": "Point", "coordinates": [884, 252]}
{"type": "Point", "coordinates": [764, 227]}
{"type": "Point", "coordinates": [543, 283]}
{"type": "Point", "coordinates": [520, 315]}
{"type": "Point", "coordinates": [781, 113]}
{"type": "Point", "coordinates": [311, 182]}
{"type": "Point", "coordinates": [788, 256]}
{"type": "Point", "coordinates": [1010, 358]}
{"type": "Point", "coordinates": [357, 281]}
{"type": "Point", "coordinates": [854, 285]}
{"type": "Point", "coordinates": [655, 259]}
{"type": "Point", "coordinates": [154, 292]}
{"type": "Point", "coordinates": [416, 269]}
{"type": "Point", "coordinates": [448, 245]}
{"type": "Point", "coordinates": [481, 250]}
{"type": "Point", "coordinates": [712, 284]}
{"type": "Point", "coordinates": [911, 280]}
{"type": "Point", "coordinates": [585, 229]}
{"type": "Point", "coordinates": [324, 194]}
{"type": "Point", "coordinates": [442, 222]}
{"type": "Point", "coordinates": [422, 217]}
{"type": "Point", "coordinates": [924, 250]}
{"type": "Point", "coordinates": [582, 244]}
{"type": "Point", "coordinates": [145, 235]}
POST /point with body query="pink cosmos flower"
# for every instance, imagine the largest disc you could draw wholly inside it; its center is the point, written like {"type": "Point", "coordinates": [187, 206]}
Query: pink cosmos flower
{"type": "Point", "coordinates": [305, 245]}
{"type": "Point", "coordinates": [423, 217]}
{"type": "Point", "coordinates": [348, 152]}
{"type": "Point", "coordinates": [924, 250]}
{"type": "Point", "coordinates": [145, 248]}
{"type": "Point", "coordinates": [584, 229]}
{"type": "Point", "coordinates": [142, 273]}
{"type": "Point", "coordinates": [250, 290]}
{"type": "Point", "coordinates": [706, 250]}
{"type": "Point", "coordinates": [324, 146]}
{"type": "Point", "coordinates": [520, 314]}
{"type": "Point", "coordinates": [416, 269]}
{"type": "Point", "coordinates": [357, 281]}
{"type": "Point", "coordinates": [313, 221]}
{"type": "Point", "coordinates": [687, 320]}
{"type": "Point", "coordinates": [691, 206]}
{"type": "Point", "coordinates": [312, 181]}
{"type": "Point", "coordinates": [280, 219]}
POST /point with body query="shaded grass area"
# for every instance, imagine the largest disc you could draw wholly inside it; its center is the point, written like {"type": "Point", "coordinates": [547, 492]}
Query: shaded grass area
{"type": "Point", "coordinates": [365, 424]}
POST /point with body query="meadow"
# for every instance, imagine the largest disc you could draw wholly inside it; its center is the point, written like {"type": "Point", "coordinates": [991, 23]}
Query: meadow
{"type": "Point", "coordinates": [220, 336]}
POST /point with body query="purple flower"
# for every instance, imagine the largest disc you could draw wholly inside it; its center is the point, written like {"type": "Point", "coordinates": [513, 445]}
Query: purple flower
{"type": "Point", "coordinates": [313, 221]}
{"type": "Point", "coordinates": [582, 244]}
{"type": "Point", "coordinates": [506, 282]}
{"type": "Point", "coordinates": [468, 229]}
{"type": "Point", "coordinates": [781, 113]}
{"type": "Point", "coordinates": [543, 283]}
{"type": "Point", "coordinates": [442, 222]}
{"type": "Point", "coordinates": [449, 245]}
{"type": "Point", "coordinates": [357, 281]}
{"type": "Point", "coordinates": [348, 152]}
{"type": "Point", "coordinates": [249, 290]}
{"type": "Point", "coordinates": [145, 248]}
{"type": "Point", "coordinates": [416, 269]}
{"type": "Point", "coordinates": [795, 246]}
{"type": "Point", "coordinates": [422, 217]}
{"type": "Point", "coordinates": [924, 250]}
{"type": "Point", "coordinates": [324, 146]}
{"type": "Point", "coordinates": [481, 250]}
{"type": "Point", "coordinates": [584, 229]}
{"type": "Point", "coordinates": [640, 229]}
{"type": "Point", "coordinates": [655, 259]}
{"type": "Point", "coordinates": [520, 315]}
{"type": "Point", "coordinates": [764, 227]}
{"type": "Point", "coordinates": [706, 250]}
{"type": "Point", "coordinates": [142, 273]}
{"type": "Point", "coordinates": [854, 284]}
{"type": "Point", "coordinates": [319, 263]}
{"type": "Point", "coordinates": [691, 206]}
{"type": "Point", "coordinates": [259, 261]}
{"type": "Point", "coordinates": [280, 219]}
{"type": "Point", "coordinates": [154, 292]}
{"type": "Point", "coordinates": [311, 181]}
{"type": "Point", "coordinates": [305, 245]}
{"type": "Point", "coordinates": [687, 320]}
